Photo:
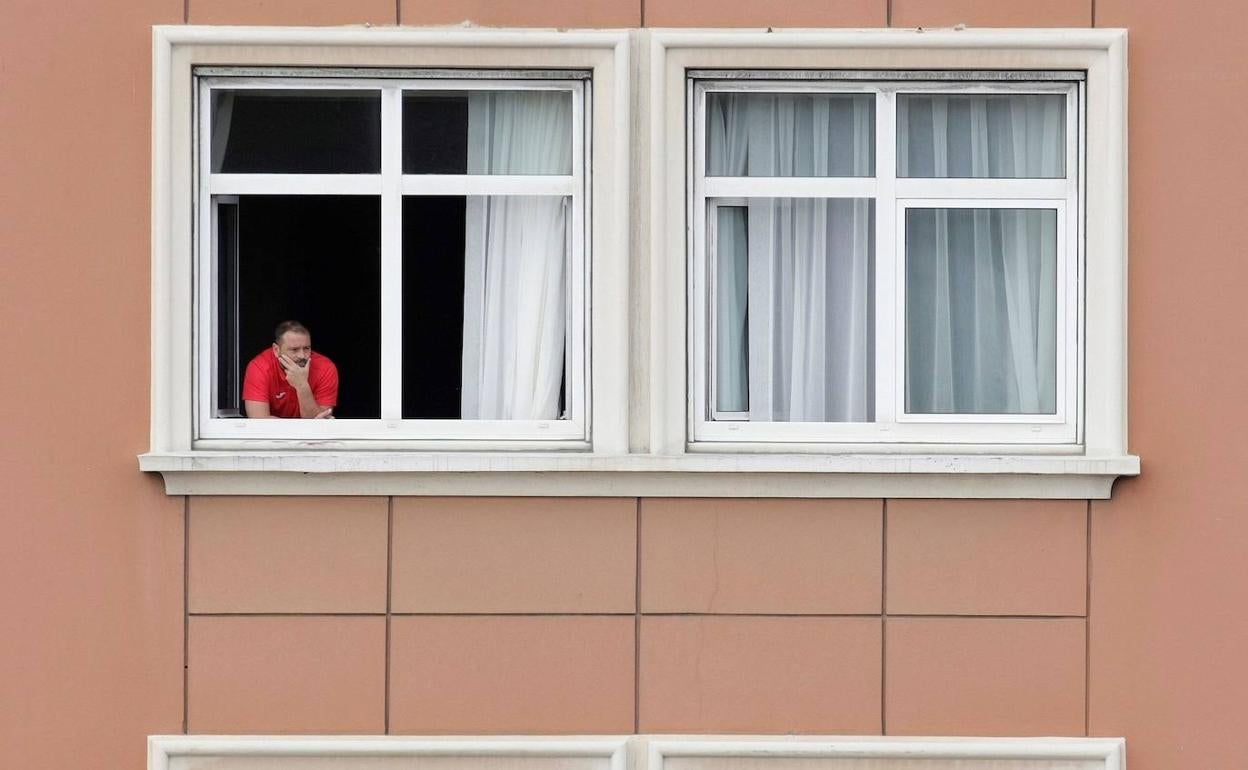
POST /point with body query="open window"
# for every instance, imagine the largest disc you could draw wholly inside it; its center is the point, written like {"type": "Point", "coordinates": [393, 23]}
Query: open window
{"type": "Point", "coordinates": [427, 227]}
{"type": "Point", "coordinates": [886, 257]}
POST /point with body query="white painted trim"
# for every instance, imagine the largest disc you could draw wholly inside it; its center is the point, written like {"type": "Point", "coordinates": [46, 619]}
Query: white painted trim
{"type": "Point", "coordinates": [892, 424]}
{"type": "Point", "coordinates": [471, 184]}
{"type": "Point", "coordinates": [641, 752]}
{"type": "Point", "coordinates": [1110, 751]}
{"type": "Point", "coordinates": [163, 749]}
{"type": "Point", "coordinates": [1101, 53]}
{"type": "Point", "coordinates": [175, 338]}
{"type": "Point", "coordinates": [692, 475]}
{"type": "Point", "coordinates": [294, 184]}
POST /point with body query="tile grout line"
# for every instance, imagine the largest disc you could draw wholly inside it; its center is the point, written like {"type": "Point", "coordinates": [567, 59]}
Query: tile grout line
{"type": "Point", "coordinates": [1094, 27]}
{"type": "Point", "coordinates": [186, 11]}
{"type": "Point", "coordinates": [643, 24]}
{"type": "Point", "coordinates": [883, 607]}
{"type": "Point", "coordinates": [186, 612]}
{"type": "Point", "coordinates": [1087, 628]}
{"type": "Point", "coordinates": [888, 13]}
{"type": "Point", "coordinates": [398, 13]}
{"type": "Point", "coordinates": [382, 614]}
{"type": "Point", "coordinates": [389, 583]}
{"type": "Point", "coordinates": [637, 612]}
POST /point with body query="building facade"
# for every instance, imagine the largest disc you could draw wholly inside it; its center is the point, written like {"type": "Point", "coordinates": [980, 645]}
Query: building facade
{"type": "Point", "coordinates": [622, 598]}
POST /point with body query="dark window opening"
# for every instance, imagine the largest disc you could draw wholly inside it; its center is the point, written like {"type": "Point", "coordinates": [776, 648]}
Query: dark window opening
{"type": "Point", "coordinates": [435, 133]}
{"type": "Point", "coordinates": [229, 395]}
{"type": "Point", "coordinates": [296, 132]}
{"type": "Point", "coordinates": [433, 306]}
{"type": "Point", "coordinates": [316, 259]}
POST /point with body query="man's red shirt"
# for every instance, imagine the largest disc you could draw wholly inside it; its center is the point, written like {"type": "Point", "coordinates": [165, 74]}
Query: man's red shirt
{"type": "Point", "coordinates": [266, 381]}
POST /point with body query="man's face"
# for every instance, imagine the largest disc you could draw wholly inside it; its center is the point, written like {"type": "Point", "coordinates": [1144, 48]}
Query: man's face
{"type": "Point", "coordinates": [296, 346]}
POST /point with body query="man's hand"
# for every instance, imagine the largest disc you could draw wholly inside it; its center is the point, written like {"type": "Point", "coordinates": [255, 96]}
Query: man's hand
{"type": "Point", "coordinates": [297, 375]}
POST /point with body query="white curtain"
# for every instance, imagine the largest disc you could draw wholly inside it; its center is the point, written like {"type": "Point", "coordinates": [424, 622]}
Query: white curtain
{"type": "Point", "coordinates": [794, 276]}
{"type": "Point", "coordinates": [222, 115]}
{"type": "Point", "coordinates": [1020, 136]}
{"type": "Point", "coordinates": [981, 284]}
{"type": "Point", "coordinates": [515, 296]}
{"type": "Point", "coordinates": [981, 304]}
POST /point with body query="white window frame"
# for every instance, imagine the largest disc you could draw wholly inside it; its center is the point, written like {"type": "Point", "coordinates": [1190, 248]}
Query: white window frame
{"type": "Point", "coordinates": [185, 431]}
{"type": "Point", "coordinates": [892, 197]}
{"type": "Point", "coordinates": [643, 752]}
{"type": "Point", "coordinates": [638, 235]}
{"type": "Point", "coordinates": [390, 186]}
{"type": "Point", "coordinates": [1101, 437]}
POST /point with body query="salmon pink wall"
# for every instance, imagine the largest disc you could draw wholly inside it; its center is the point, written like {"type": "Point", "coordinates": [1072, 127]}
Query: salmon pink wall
{"type": "Point", "coordinates": [368, 615]}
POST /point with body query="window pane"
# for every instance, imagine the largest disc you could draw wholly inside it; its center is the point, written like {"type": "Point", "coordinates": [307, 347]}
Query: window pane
{"type": "Point", "coordinates": [807, 268]}
{"type": "Point", "coordinates": [296, 132]}
{"type": "Point", "coordinates": [1002, 136]}
{"type": "Point", "coordinates": [315, 259]}
{"type": "Point", "coordinates": [487, 132]}
{"type": "Point", "coordinates": [981, 304]}
{"type": "Point", "coordinates": [790, 135]}
{"type": "Point", "coordinates": [485, 316]}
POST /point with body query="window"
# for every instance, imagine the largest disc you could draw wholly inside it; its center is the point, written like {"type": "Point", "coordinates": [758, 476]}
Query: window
{"type": "Point", "coordinates": [428, 229]}
{"type": "Point", "coordinates": [885, 257]}
{"type": "Point", "coordinates": [810, 263]}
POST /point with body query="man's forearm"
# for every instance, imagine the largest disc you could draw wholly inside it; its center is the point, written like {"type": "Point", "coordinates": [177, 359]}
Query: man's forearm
{"type": "Point", "coordinates": [308, 407]}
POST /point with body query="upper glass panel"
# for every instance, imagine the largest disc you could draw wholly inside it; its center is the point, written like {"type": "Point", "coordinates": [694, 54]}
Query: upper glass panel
{"type": "Point", "coordinates": [790, 135]}
{"type": "Point", "coordinates": [1010, 136]}
{"type": "Point", "coordinates": [281, 131]}
{"type": "Point", "coordinates": [487, 132]}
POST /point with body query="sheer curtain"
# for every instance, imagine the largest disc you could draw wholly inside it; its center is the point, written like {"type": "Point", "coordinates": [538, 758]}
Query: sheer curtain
{"type": "Point", "coordinates": [794, 332]}
{"type": "Point", "coordinates": [515, 297]}
{"type": "Point", "coordinates": [981, 284]}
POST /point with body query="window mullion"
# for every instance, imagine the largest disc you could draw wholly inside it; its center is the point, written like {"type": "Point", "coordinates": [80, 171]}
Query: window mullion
{"type": "Point", "coordinates": [888, 264]}
{"type": "Point", "coordinates": [391, 254]}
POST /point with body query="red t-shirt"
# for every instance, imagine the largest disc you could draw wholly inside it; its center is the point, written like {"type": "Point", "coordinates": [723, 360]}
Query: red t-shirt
{"type": "Point", "coordinates": [266, 381]}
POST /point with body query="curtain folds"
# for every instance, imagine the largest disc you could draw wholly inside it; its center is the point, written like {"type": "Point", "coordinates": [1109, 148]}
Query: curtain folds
{"type": "Point", "coordinates": [794, 305]}
{"type": "Point", "coordinates": [981, 311]}
{"type": "Point", "coordinates": [515, 287]}
{"type": "Point", "coordinates": [981, 284]}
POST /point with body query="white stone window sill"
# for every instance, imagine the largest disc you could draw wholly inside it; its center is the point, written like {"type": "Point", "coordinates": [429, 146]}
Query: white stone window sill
{"type": "Point", "coordinates": [293, 472]}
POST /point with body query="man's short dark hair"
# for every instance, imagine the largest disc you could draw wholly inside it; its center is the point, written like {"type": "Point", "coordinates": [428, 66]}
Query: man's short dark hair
{"type": "Point", "coordinates": [289, 326]}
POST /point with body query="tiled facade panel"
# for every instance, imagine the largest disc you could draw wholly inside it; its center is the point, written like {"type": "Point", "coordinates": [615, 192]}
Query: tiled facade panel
{"type": "Point", "coordinates": [760, 675]}
{"type": "Point", "coordinates": [512, 675]}
{"type": "Point", "coordinates": [761, 556]}
{"type": "Point", "coordinates": [991, 13]}
{"type": "Point", "coordinates": [290, 12]}
{"type": "Point", "coordinates": [551, 555]}
{"type": "Point", "coordinates": [984, 676]}
{"type": "Point", "coordinates": [310, 674]}
{"type": "Point", "coordinates": [91, 551]}
{"type": "Point", "coordinates": [522, 615]}
{"type": "Point", "coordinates": [797, 13]}
{"type": "Point", "coordinates": [287, 554]}
{"type": "Point", "coordinates": [987, 557]}
{"type": "Point", "coordinates": [1169, 577]}
{"type": "Point", "coordinates": [521, 13]}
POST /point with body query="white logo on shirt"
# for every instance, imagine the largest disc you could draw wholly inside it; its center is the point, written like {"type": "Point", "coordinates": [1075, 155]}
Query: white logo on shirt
{"type": "Point", "coordinates": [281, 395]}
